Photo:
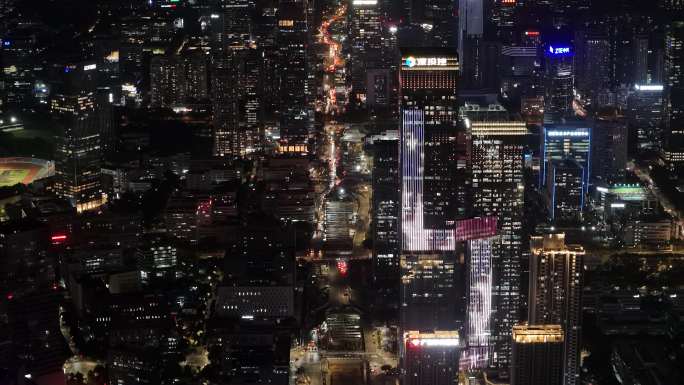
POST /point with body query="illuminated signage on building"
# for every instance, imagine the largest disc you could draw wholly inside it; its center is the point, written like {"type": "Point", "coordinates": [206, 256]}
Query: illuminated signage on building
{"type": "Point", "coordinates": [434, 342]}
{"type": "Point", "coordinates": [89, 67]}
{"type": "Point", "coordinates": [648, 87]}
{"type": "Point", "coordinates": [412, 62]}
{"type": "Point", "coordinates": [440, 338]}
{"type": "Point", "coordinates": [567, 133]}
{"type": "Point", "coordinates": [537, 334]}
{"type": "Point", "coordinates": [559, 50]}
{"type": "Point", "coordinates": [364, 2]}
{"type": "Point", "coordinates": [415, 236]}
{"type": "Point", "coordinates": [58, 238]}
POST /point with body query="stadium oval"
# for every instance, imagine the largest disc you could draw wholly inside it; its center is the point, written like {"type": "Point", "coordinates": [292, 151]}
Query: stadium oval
{"type": "Point", "coordinates": [24, 170]}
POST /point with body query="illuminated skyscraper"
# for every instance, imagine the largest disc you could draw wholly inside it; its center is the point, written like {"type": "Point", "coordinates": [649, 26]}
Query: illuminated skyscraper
{"type": "Point", "coordinates": [562, 141]}
{"type": "Point", "coordinates": [79, 151]}
{"type": "Point", "coordinates": [641, 54]}
{"type": "Point", "coordinates": [503, 18]}
{"type": "Point", "coordinates": [365, 36]}
{"type": "Point", "coordinates": [556, 294]}
{"type": "Point", "coordinates": [294, 110]}
{"type": "Point", "coordinates": [609, 150]}
{"type": "Point", "coordinates": [674, 72]}
{"type": "Point", "coordinates": [385, 209]}
{"type": "Point", "coordinates": [196, 75]}
{"type": "Point", "coordinates": [559, 80]}
{"type": "Point", "coordinates": [645, 109]}
{"type": "Point", "coordinates": [432, 149]}
{"type": "Point", "coordinates": [479, 299]}
{"type": "Point", "coordinates": [167, 81]}
{"type": "Point", "coordinates": [471, 30]}
{"type": "Point", "coordinates": [20, 56]}
{"type": "Point", "coordinates": [225, 113]}
{"type": "Point", "coordinates": [565, 196]}
{"type": "Point", "coordinates": [430, 357]}
{"type": "Point", "coordinates": [177, 79]}
{"type": "Point", "coordinates": [237, 22]}
{"type": "Point", "coordinates": [521, 70]}
{"type": "Point", "coordinates": [594, 67]}
{"type": "Point", "coordinates": [437, 18]}
{"type": "Point", "coordinates": [429, 293]}
{"type": "Point", "coordinates": [429, 197]}
{"type": "Point", "coordinates": [537, 355]}
{"type": "Point", "coordinates": [236, 108]}
{"type": "Point", "coordinates": [497, 153]}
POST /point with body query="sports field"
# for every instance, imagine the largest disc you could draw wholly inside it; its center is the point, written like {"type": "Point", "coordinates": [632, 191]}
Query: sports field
{"type": "Point", "coordinates": [14, 170]}
{"type": "Point", "coordinates": [10, 177]}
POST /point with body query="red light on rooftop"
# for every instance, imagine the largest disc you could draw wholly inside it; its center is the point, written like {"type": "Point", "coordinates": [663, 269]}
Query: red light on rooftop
{"type": "Point", "coordinates": [10, 296]}
{"type": "Point", "coordinates": [532, 33]}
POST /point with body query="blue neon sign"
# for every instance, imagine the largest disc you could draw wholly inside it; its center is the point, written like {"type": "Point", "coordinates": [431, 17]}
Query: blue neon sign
{"type": "Point", "coordinates": [559, 50]}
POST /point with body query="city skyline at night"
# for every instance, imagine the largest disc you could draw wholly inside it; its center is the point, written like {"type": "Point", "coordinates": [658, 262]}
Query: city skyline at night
{"type": "Point", "coordinates": [341, 192]}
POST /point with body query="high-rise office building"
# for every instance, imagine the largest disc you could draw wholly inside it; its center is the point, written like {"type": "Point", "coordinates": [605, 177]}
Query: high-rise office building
{"type": "Point", "coordinates": [176, 79]}
{"type": "Point", "coordinates": [226, 114]}
{"type": "Point", "coordinates": [265, 33]}
{"type": "Point", "coordinates": [559, 80]}
{"type": "Point", "coordinates": [645, 109]}
{"type": "Point", "coordinates": [196, 75]}
{"type": "Point", "coordinates": [167, 81]}
{"type": "Point", "coordinates": [237, 22]}
{"type": "Point", "coordinates": [429, 292]}
{"type": "Point", "coordinates": [79, 152]}
{"type": "Point", "coordinates": [382, 80]}
{"type": "Point", "coordinates": [641, 54]}
{"type": "Point", "coordinates": [497, 162]}
{"type": "Point", "coordinates": [431, 153]}
{"type": "Point", "coordinates": [429, 200]}
{"type": "Point", "coordinates": [437, 18]}
{"type": "Point", "coordinates": [674, 71]}
{"type": "Point", "coordinates": [385, 210]}
{"type": "Point", "coordinates": [503, 19]}
{"type": "Point", "coordinates": [561, 141]}
{"type": "Point", "coordinates": [231, 30]}
{"type": "Point", "coordinates": [521, 72]}
{"type": "Point", "coordinates": [609, 149]}
{"type": "Point", "coordinates": [430, 357]}
{"type": "Point", "coordinates": [20, 56]}
{"type": "Point", "coordinates": [431, 303]}
{"type": "Point", "coordinates": [622, 41]}
{"type": "Point", "coordinates": [470, 34]}
{"type": "Point", "coordinates": [237, 104]}
{"type": "Point", "coordinates": [564, 192]}
{"type": "Point", "coordinates": [479, 303]}
{"type": "Point", "coordinates": [537, 355]}
{"type": "Point", "coordinates": [365, 38]}
{"type": "Point", "coordinates": [594, 68]}
{"type": "Point", "coordinates": [294, 110]}
{"type": "Point", "coordinates": [556, 273]}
